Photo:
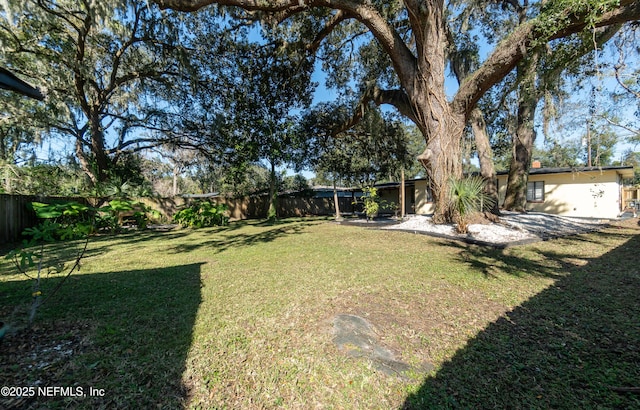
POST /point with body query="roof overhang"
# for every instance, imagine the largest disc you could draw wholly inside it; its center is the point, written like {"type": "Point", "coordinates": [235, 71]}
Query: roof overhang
{"type": "Point", "coordinates": [627, 172]}
{"type": "Point", "coordinates": [9, 81]}
{"type": "Point", "coordinates": [623, 171]}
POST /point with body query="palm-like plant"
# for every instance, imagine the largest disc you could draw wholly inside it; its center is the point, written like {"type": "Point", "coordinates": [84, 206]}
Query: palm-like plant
{"type": "Point", "coordinates": [467, 196]}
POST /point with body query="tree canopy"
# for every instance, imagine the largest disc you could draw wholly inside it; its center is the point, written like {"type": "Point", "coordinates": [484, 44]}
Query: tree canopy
{"type": "Point", "coordinates": [398, 52]}
{"type": "Point", "coordinates": [100, 65]}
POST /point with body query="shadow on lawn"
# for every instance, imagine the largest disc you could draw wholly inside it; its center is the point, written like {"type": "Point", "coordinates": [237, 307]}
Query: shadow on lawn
{"type": "Point", "coordinates": [130, 333]}
{"type": "Point", "coordinates": [571, 346]}
{"type": "Point", "coordinates": [226, 238]}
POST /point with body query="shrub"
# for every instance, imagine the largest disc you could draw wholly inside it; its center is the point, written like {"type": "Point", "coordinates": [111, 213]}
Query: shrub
{"type": "Point", "coordinates": [65, 220]}
{"type": "Point", "coordinates": [117, 211]}
{"type": "Point", "coordinates": [372, 204]}
{"type": "Point", "coordinates": [467, 196]}
{"type": "Point", "coordinates": [202, 214]}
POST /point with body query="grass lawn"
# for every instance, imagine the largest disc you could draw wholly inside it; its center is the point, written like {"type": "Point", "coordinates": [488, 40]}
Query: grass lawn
{"type": "Point", "coordinates": [241, 317]}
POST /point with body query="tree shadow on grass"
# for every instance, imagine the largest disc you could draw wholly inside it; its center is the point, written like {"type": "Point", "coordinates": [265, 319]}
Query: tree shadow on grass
{"type": "Point", "coordinates": [574, 345]}
{"type": "Point", "coordinates": [127, 332]}
{"type": "Point", "coordinates": [223, 239]}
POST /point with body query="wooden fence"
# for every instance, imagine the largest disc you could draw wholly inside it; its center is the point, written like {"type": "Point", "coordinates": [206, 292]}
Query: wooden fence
{"type": "Point", "coordinates": [15, 215]}
{"type": "Point", "coordinates": [630, 196]}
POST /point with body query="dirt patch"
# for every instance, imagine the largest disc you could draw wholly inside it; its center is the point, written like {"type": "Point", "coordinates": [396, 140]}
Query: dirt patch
{"type": "Point", "coordinates": [416, 339]}
{"type": "Point", "coordinates": [356, 337]}
{"type": "Point", "coordinates": [38, 357]}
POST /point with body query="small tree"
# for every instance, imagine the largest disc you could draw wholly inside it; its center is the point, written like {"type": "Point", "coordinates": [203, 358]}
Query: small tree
{"type": "Point", "coordinates": [371, 202]}
{"type": "Point", "coordinates": [69, 221]}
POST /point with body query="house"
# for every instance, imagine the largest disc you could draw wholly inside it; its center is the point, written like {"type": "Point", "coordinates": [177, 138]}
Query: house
{"type": "Point", "coordinates": [590, 192]}
{"type": "Point", "coordinates": [417, 195]}
{"type": "Point", "coordinates": [323, 191]}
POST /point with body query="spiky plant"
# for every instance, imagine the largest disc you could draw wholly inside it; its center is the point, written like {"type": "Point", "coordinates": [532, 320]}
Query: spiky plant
{"type": "Point", "coordinates": [467, 196]}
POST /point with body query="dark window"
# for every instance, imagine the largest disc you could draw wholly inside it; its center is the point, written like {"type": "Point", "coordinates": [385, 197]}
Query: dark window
{"type": "Point", "coordinates": [428, 195]}
{"type": "Point", "coordinates": [535, 191]}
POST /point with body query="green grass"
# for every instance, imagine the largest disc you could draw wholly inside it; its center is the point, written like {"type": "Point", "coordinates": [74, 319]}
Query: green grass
{"type": "Point", "coordinates": [241, 317]}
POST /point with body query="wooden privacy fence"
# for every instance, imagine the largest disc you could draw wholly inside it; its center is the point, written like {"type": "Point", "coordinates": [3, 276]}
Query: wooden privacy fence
{"type": "Point", "coordinates": [257, 206]}
{"type": "Point", "coordinates": [15, 215]}
{"type": "Point", "coordinates": [629, 196]}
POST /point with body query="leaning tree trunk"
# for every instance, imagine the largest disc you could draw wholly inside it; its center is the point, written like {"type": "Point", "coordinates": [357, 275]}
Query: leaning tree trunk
{"type": "Point", "coordinates": [485, 155]}
{"type": "Point", "coordinates": [516, 195]}
{"type": "Point", "coordinates": [84, 161]}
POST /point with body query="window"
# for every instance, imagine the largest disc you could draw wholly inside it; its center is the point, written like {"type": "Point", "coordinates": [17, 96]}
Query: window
{"type": "Point", "coordinates": [428, 195]}
{"type": "Point", "coordinates": [535, 191]}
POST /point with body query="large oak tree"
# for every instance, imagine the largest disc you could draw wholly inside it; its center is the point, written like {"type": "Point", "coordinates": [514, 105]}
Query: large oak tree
{"type": "Point", "coordinates": [413, 36]}
{"type": "Point", "coordinates": [101, 65]}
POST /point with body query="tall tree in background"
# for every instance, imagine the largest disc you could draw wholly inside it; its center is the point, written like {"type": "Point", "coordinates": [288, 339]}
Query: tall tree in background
{"type": "Point", "coordinates": [627, 73]}
{"type": "Point", "coordinates": [540, 77]}
{"type": "Point", "coordinates": [377, 148]}
{"type": "Point", "coordinates": [404, 50]}
{"type": "Point", "coordinates": [260, 105]}
{"type": "Point", "coordinates": [99, 64]}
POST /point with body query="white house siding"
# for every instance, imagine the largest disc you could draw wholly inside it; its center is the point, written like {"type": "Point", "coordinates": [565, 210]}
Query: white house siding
{"type": "Point", "coordinates": [592, 194]}
{"type": "Point", "coordinates": [422, 206]}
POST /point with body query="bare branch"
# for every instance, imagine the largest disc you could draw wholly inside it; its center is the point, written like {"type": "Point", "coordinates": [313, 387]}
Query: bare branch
{"type": "Point", "coordinates": [634, 132]}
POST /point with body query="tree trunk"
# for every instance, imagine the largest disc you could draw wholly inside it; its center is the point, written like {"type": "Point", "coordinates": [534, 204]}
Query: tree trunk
{"type": "Point", "coordinates": [335, 201]}
{"type": "Point", "coordinates": [98, 148]}
{"type": "Point", "coordinates": [272, 213]}
{"type": "Point", "coordinates": [432, 113]}
{"type": "Point", "coordinates": [442, 161]}
{"type": "Point", "coordinates": [84, 162]}
{"type": "Point", "coordinates": [516, 195]}
{"type": "Point", "coordinates": [175, 181]}
{"type": "Point", "coordinates": [485, 155]}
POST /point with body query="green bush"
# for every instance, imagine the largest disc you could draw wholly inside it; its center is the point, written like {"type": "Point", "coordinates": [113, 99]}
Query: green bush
{"type": "Point", "coordinates": [467, 196]}
{"type": "Point", "coordinates": [373, 204]}
{"type": "Point", "coordinates": [65, 220]}
{"type": "Point", "coordinates": [112, 215]}
{"type": "Point", "coordinates": [202, 214]}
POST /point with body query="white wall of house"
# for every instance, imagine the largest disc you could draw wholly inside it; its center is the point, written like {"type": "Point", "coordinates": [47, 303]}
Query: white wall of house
{"type": "Point", "coordinates": [592, 194]}
{"type": "Point", "coordinates": [424, 204]}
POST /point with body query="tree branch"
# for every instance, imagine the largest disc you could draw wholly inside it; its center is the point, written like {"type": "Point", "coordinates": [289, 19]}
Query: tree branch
{"type": "Point", "coordinates": [401, 56]}
{"type": "Point", "coordinates": [333, 22]}
{"type": "Point", "coordinates": [397, 98]}
{"type": "Point", "coordinates": [513, 49]}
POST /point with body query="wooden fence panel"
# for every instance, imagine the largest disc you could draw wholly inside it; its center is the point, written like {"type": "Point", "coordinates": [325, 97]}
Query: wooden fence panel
{"type": "Point", "coordinates": [15, 217]}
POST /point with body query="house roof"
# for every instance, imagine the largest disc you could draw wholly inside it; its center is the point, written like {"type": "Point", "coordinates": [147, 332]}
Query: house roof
{"type": "Point", "coordinates": [330, 188]}
{"type": "Point", "coordinates": [625, 171]}
{"type": "Point", "coordinates": [9, 81]}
